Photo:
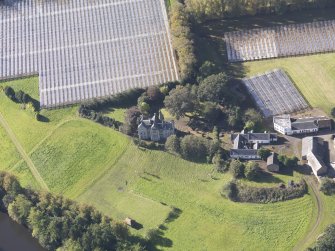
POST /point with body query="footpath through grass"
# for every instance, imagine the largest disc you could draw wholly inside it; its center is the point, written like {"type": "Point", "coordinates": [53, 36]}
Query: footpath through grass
{"type": "Point", "coordinates": [69, 152]}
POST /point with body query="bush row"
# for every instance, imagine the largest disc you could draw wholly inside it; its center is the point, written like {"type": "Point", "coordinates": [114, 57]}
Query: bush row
{"type": "Point", "coordinates": [62, 224]}
{"type": "Point", "coordinates": [217, 9]}
{"type": "Point", "coordinates": [182, 40]}
{"type": "Point", "coordinates": [22, 98]}
{"type": "Point", "coordinates": [123, 99]}
{"type": "Point", "coordinates": [84, 112]}
{"type": "Point", "coordinates": [242, 193]}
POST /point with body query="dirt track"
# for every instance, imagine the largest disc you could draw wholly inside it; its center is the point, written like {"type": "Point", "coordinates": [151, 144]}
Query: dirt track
{"type": "Point", "coordinates": [313, 230]}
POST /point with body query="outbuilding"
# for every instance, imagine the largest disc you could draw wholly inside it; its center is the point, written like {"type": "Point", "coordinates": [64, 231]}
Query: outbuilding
{"type": "Point", "coordinates": [272, 163]}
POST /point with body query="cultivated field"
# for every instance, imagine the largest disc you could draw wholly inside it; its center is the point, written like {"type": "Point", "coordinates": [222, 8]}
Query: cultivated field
{"type": "Point", "coordinates": [313, 75]}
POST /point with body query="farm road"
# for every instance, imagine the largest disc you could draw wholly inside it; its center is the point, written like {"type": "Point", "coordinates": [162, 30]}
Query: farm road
{"type": "Point", "coordinates": [22, 152]}
{"type": "Point", "coordinates": [318, 200]}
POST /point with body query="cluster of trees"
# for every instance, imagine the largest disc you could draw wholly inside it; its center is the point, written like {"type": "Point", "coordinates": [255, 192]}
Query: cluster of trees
{"type": "Point", "coordinates": [22, 98]}
{"type": "Point", "coordinates": [192, 147]}
{"type": "Point", "coordinates": [327, 186]}
{"type": "Point", "coordinates": [250, 170]}
{"type": "Point", "coordinates": [326, 241]}
{"type": "Point", "coordinates": [98, 117]}
{"type": "Point", "coordinates": [182, 39]}
{"type": "Point", "coordinates": [212, 101]}
{"type": "Point", "coordinates": [61, 224]}
{"type": "Point", "coordinates": [239, 192]}
{"type": "Point", "coordinates": [216, 9]}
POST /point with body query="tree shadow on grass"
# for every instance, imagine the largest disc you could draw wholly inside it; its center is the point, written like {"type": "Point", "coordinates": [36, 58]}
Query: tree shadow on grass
{"type": "Point", "coordinates": [265, 177]}
{"type": "Point", "coordinates": [43, 119]}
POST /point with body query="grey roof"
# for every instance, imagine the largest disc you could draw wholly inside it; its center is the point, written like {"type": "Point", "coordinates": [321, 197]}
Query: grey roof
{"type": "Point", "coordinates": [156, 123]}
{"type": "Point", "coordinates": [240, 152]}
{"type": "Point", "coordinates": [254, 136]}
{"type": "Point", "coordinates": [304, 125]}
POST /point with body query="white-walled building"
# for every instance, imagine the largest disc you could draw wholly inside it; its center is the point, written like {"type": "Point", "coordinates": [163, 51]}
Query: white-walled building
{"type": "Point", "coordinates": [288, 126]}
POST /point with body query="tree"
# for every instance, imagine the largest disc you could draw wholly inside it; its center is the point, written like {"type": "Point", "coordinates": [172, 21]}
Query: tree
{"type": "Point", "coordinates": [252, 170]}
{"type": "Point", "coordinates": [327, 186]}
{"type": "Point", "coordinates": [252, 119]}
{"type": "Point", "coordinates": [132, 116]}
{"type": "Point", "coordinates": [10, 93]}
{"type": "Point", "coordinates": [154, 94]}
{"type": "Point", "coordinates": [263, 153]}
{"type": "Point", "coordinates": [214, 88]}
{"type": "Point", "coordinates": [237, 169]}
{"type": "Point", "coordinates": [180, 101]}
{"type": "Point", "coordinates": [194, 148]}
{"type": "Point", "coordinates": [144, 107]}
{"type": "Point", "coordinates": [211, 112]}
{"type": "Point", "coordinates": [172, 144]}
{"type": "Point", "coordinates": [19, 209]}
{"type": "Point", "coordinates": [207, 68]}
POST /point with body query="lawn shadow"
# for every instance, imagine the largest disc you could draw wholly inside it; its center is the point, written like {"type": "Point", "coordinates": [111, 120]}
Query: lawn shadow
{"type": "Point", "coordinates": [265, 177]}
{"type": "Point", "coordinates": [158, 241]}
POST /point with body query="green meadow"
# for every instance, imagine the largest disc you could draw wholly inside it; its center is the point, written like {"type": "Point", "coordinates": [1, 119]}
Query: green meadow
{"type": "Point", "coordinates": [180, 199]}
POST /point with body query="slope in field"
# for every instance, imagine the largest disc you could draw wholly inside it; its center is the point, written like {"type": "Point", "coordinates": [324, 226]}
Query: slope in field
{"type": "Point", "coordinates": [76, 154]}
{"type": "Point", "coordinates": [204, 218]}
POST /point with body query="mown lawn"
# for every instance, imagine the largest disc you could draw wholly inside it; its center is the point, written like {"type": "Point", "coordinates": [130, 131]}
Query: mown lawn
{"type": "Point", "coordinates": [205, 221]}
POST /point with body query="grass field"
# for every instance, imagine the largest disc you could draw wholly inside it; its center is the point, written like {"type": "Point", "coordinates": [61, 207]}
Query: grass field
{"type": "Point", "coordinates": [206, 221]}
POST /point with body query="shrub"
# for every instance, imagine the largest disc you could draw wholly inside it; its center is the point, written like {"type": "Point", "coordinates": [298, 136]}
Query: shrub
{"type": "Point", "coordinates": [327, 186]}
{"type": "Point", "coordinates": [236, 168]}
